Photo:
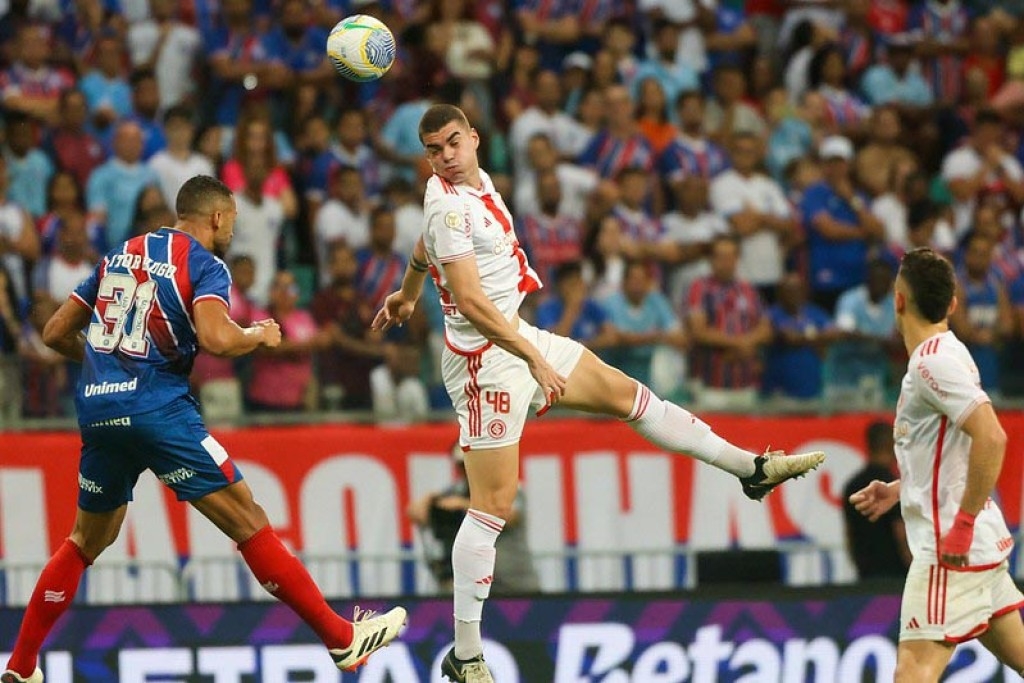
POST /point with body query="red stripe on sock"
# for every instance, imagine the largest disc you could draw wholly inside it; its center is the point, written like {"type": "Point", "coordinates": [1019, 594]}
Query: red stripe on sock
{"type": "Point", "coordinates": [281, 573]}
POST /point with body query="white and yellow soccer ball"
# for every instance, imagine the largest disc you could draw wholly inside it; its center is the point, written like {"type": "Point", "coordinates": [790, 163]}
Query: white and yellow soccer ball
{"type": "Point", "coordinates": [361, 48]}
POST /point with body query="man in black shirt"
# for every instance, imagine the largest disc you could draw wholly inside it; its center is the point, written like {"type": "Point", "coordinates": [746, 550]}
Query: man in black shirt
{"type": "Point", "coordinates": [878, 549]}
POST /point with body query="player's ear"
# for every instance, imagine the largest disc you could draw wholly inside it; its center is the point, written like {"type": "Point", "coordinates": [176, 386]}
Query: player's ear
{"type": "Point", "coordinates": [899, 301]}
{"type": "Point", "coordinates": [475, 137]}
{"type": "Point", "coordinates": [952, 306]}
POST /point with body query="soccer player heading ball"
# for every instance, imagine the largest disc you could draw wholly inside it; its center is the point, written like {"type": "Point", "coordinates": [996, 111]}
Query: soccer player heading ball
{"type": "Point", "coordinates": [496, 367]}
{"type": "Point", "coordinates": [149, 305]}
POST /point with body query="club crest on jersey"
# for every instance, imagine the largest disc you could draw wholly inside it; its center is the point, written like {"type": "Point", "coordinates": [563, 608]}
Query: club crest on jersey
{"type": "Point", "coordinates": [453, 220]}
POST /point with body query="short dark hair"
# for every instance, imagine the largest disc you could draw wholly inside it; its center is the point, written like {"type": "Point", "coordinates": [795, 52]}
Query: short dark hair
{"type": "Point", "coordinates": [378, 211]}
{"type": "Point", "coordinates": [181, 112]}
{"type": "Point", "coordinates": [566, 270]}
{"type": "Point", "coordinates": [878, 436]}
{"type": "Point", "coordinates": [440, 115]}
{"type": "Point", "coordinates": [686, 95]}
{"type": "Point", "coordinates": [989, 116]}
{"type": "Point", "coordinates": [931, 281]}
{"type": "Point", "coordinates": [139, 75]}
{"type": "Point", "coordinates": [197, 196]}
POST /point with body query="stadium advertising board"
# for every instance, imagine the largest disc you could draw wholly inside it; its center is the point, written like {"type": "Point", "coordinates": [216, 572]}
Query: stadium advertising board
{"type": "Point", "coordinates": [332, 490]}
{"type": "Point", "coordinates": [794, 638]}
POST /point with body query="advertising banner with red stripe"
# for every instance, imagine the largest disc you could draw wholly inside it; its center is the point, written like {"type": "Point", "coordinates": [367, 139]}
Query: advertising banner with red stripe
{"type": "Point", "coordinates": [592, 489]}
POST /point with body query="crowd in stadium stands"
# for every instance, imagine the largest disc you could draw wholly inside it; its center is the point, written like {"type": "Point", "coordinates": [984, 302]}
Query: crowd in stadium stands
{"type": "Point", "coordinates": [716, 192]}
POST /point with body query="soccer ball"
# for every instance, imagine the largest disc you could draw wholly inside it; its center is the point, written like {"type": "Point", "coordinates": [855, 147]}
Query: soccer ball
{"type": "Point", "coordinates": [361, 48]}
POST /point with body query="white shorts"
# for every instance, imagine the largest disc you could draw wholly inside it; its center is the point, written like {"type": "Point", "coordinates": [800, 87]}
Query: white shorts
{"type": "Point", "coordinates": [939, 604]}
{"type": "Point", "coordinates": [493, 390]}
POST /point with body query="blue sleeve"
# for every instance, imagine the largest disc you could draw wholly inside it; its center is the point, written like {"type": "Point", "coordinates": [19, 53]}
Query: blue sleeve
{"type": "Point", "coordinates": [914, 17]}
{"type": "Point", "coordinates": [668, 163]}
{"type": "Point", "coordinates": [95, 198]}
{"type": "Point", "coordinates": [216, 41]}
{"type": "Point", "coordinates": [1017, 291]}
{"type": "Point", "coordinates": [813, 202]}
{"type": "Point", "coordinates": [874, 87]}
{"type": "Point", "coordinates": [666, 319]}
{"type": "Point", "coordinates": [85, 292]}
{"type": "Point", "coordinates": [819, 317]}
{"type": "Point", "coordinates": [595, 312]}
{"type": "Point", "coordinates": [210, 277]}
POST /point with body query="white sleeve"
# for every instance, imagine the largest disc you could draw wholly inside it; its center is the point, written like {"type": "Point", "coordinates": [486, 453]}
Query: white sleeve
{"type": "Point", "coordinates": [1012, 168]}
{"type": "Point", "coordinates": [725, 200]}
{"type": "Point", "coordinates": [780, 205]}
{"type": "Point", "coordinates": [449, 226]}
{"type": "Point", "coordinates": [949, 384]}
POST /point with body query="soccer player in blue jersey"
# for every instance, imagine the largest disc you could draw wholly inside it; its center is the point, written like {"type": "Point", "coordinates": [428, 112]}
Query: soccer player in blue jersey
{"type": "Point", "coordinates": [136, 325]}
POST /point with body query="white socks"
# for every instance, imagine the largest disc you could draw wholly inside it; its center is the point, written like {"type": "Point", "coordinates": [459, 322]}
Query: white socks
{"type": "Point", "coordinates": [670, 427]}
{"type": "Point", "coordinates": [473, 567]}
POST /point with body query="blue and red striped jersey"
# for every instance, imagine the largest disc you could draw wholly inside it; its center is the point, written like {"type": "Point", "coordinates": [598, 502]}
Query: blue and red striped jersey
{"type": "Point", "coordinates": [142, 340]}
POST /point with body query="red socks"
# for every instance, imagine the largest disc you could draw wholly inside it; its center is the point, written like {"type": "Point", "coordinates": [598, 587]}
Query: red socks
{"type": "Point", "coordinates": [281, 574]}
{"type": "Point", "coordinates": [52, 596]}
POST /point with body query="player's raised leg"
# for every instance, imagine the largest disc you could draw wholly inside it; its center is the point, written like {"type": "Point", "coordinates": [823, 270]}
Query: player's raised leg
{"type": "Point", "coordinates": [56, 587]}
{"type": "Point", "coordinates": [493, 476]}
{"type": "Point", "coordinates": [233, 511]}
{"type": "Point", "coordinates": [596, 387]}
{"type": "Point", "coordinates": [922, 661]}
{"type": "Point", "coordinates": [1005, 639]}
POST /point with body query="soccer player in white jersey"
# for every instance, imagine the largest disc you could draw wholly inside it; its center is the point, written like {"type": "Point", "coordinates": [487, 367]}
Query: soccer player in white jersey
{"type": "Point", "coordinates": [950, 448]}
{"type": "Point", "coordinates": [496, 367]}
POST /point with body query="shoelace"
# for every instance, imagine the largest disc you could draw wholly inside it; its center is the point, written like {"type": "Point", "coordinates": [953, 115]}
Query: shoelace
{"type": "Point", "coordinates": [362, 614]}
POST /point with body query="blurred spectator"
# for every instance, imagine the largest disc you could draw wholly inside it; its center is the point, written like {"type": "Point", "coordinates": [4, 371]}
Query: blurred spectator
{"type": "Point", "coordinates": [177, 163]}
{"type": "Point", "coordinates": [693, 17]}
{"type": "Point", "coordinates": [728, 113]}
{"type": "Point", "coordinates": [897, 81]}
{"type": "Point", "coordinates": [642, 320]}
{"type": "Point", "coordinates": [114, 187]}
{"type": "Point", "coordinates": [604, 263]}
{"type": "Point", "coordinates": [282, 377]}
{"type": "Point", "coordinates": [381, 269]}
{"type": "Point", "coordinates": [795, 131]}
{"type": "Point", "coordinates": [878, 549]}
{"type": "Point", "coordinates": [345, 216]}
{"type": "Point", "coordinates": [547, 117]}
{"type": "Point", "coordinates": [982, 166]}
{"type": "Point", "coordinates": [926, 226]}
{"type": "Point", "coordinates": [70, 144]}
{"type": "Point", "coordinates": [857, 38]}
{"type": "Point", "coordinates": [44, 373]}
{"type": "Point", "coordinates": [942, 27]}
{"type": "Point", "coordinates": [985, 54]}
{"type": "Point", "coordinates": [344, 367]}
{"type": "Point", "coordinates": [241, 66]}
{"type": "Point", "coordinates": [549, 237]}
{"type": "Point", "coordinates": [396, 390]}
{"type": "Point", "coordinates": [838, 225]}
{"type": "Point", "coordinates": [673, 76]}
{"type": "Point", "coordinates": [64, 197]}
{"type": "Point", "coordinates": [58, 274]}
{"type": "Point", "coordinates": [19, 242]}
{"type": "Point", "coordinates": [758, 214]}
{"type": "Point", "coordinates": [261, 219]}
{"type": "Point", "coordinates": [352, 149]}
{"type": "Point", "coordinates": [441, 514]}
{"type": "Point", "coordinates": [554, 26]}
{"type": "Point", "coordinates": [652, 115]}
{"type": "Point", "coordinates": [106, 88]}
{"type": "Point", "coordinates": [28, 168]}
{"type": "Point", "coordinates": [148, 205]}
{"type": "Point", "coordinates": [408, 208]}
{"type": "Point", "coordinates": [169, 47]}
{"type": "Point", "coordinates": [728, 328]}
{"type": "Point", "coordinates": [827, 75]}
{"type": "Point", "coordinates": [576, 182]}
{"type": "Point", "coordinates": [881, 162]}
{"type": "Point", "coordinates": [619, 145]}
{"type": "Point", "coordinates": [802, 333]}
{"type": "Point", "coordinates": [685, 244]}
{"type": "Point", "coordinates": [860, 361]}
{"type": "Point", "coordinates": [637, 221]}
{"type": "Point", "coordinates": [29, 86]}
{"type": "Point", "coordinates": [465, 44]}
{"type": "Point", "coordinates": [10, 331]}
{"type": "Point", "coordinates": [299, 45]}
{"type": "Point", "coordinates": [145, 111]}
{"type": "Point", "coordinates": [571, 312]}
{"type": "Point", "coordinates": [691, 153]}
{"type": "Point", "coordinates": [984, 317]}
{"type": "Point", "coordinates": [254, 139]}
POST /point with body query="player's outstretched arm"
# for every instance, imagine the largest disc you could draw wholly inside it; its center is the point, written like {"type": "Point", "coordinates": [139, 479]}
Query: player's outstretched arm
{"type": "Point", "coordinates": [399, 306]}
{"type": "Point", "coordinates": [988, 448]}
{"type": "Point", "coordinates": [63, 331]}
{"type": "Point", "coordinates": [220, 335]}
{"type": "Point", "coordinates": [877, 498]}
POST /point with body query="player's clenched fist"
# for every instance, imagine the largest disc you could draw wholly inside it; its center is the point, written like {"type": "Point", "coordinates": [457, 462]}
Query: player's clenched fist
{"type": "Point", "coordinates": [270, 332]}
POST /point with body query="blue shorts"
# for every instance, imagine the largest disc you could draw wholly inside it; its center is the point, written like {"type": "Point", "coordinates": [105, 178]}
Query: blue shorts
{"type": "Point", "coordinates": [171, 441]}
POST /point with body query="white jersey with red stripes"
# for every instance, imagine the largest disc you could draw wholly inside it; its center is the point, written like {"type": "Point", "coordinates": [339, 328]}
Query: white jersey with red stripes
{"type": "Point", "coordinates": [940, 391]}
{"type": "Point", "coordinates": [462, 222]}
